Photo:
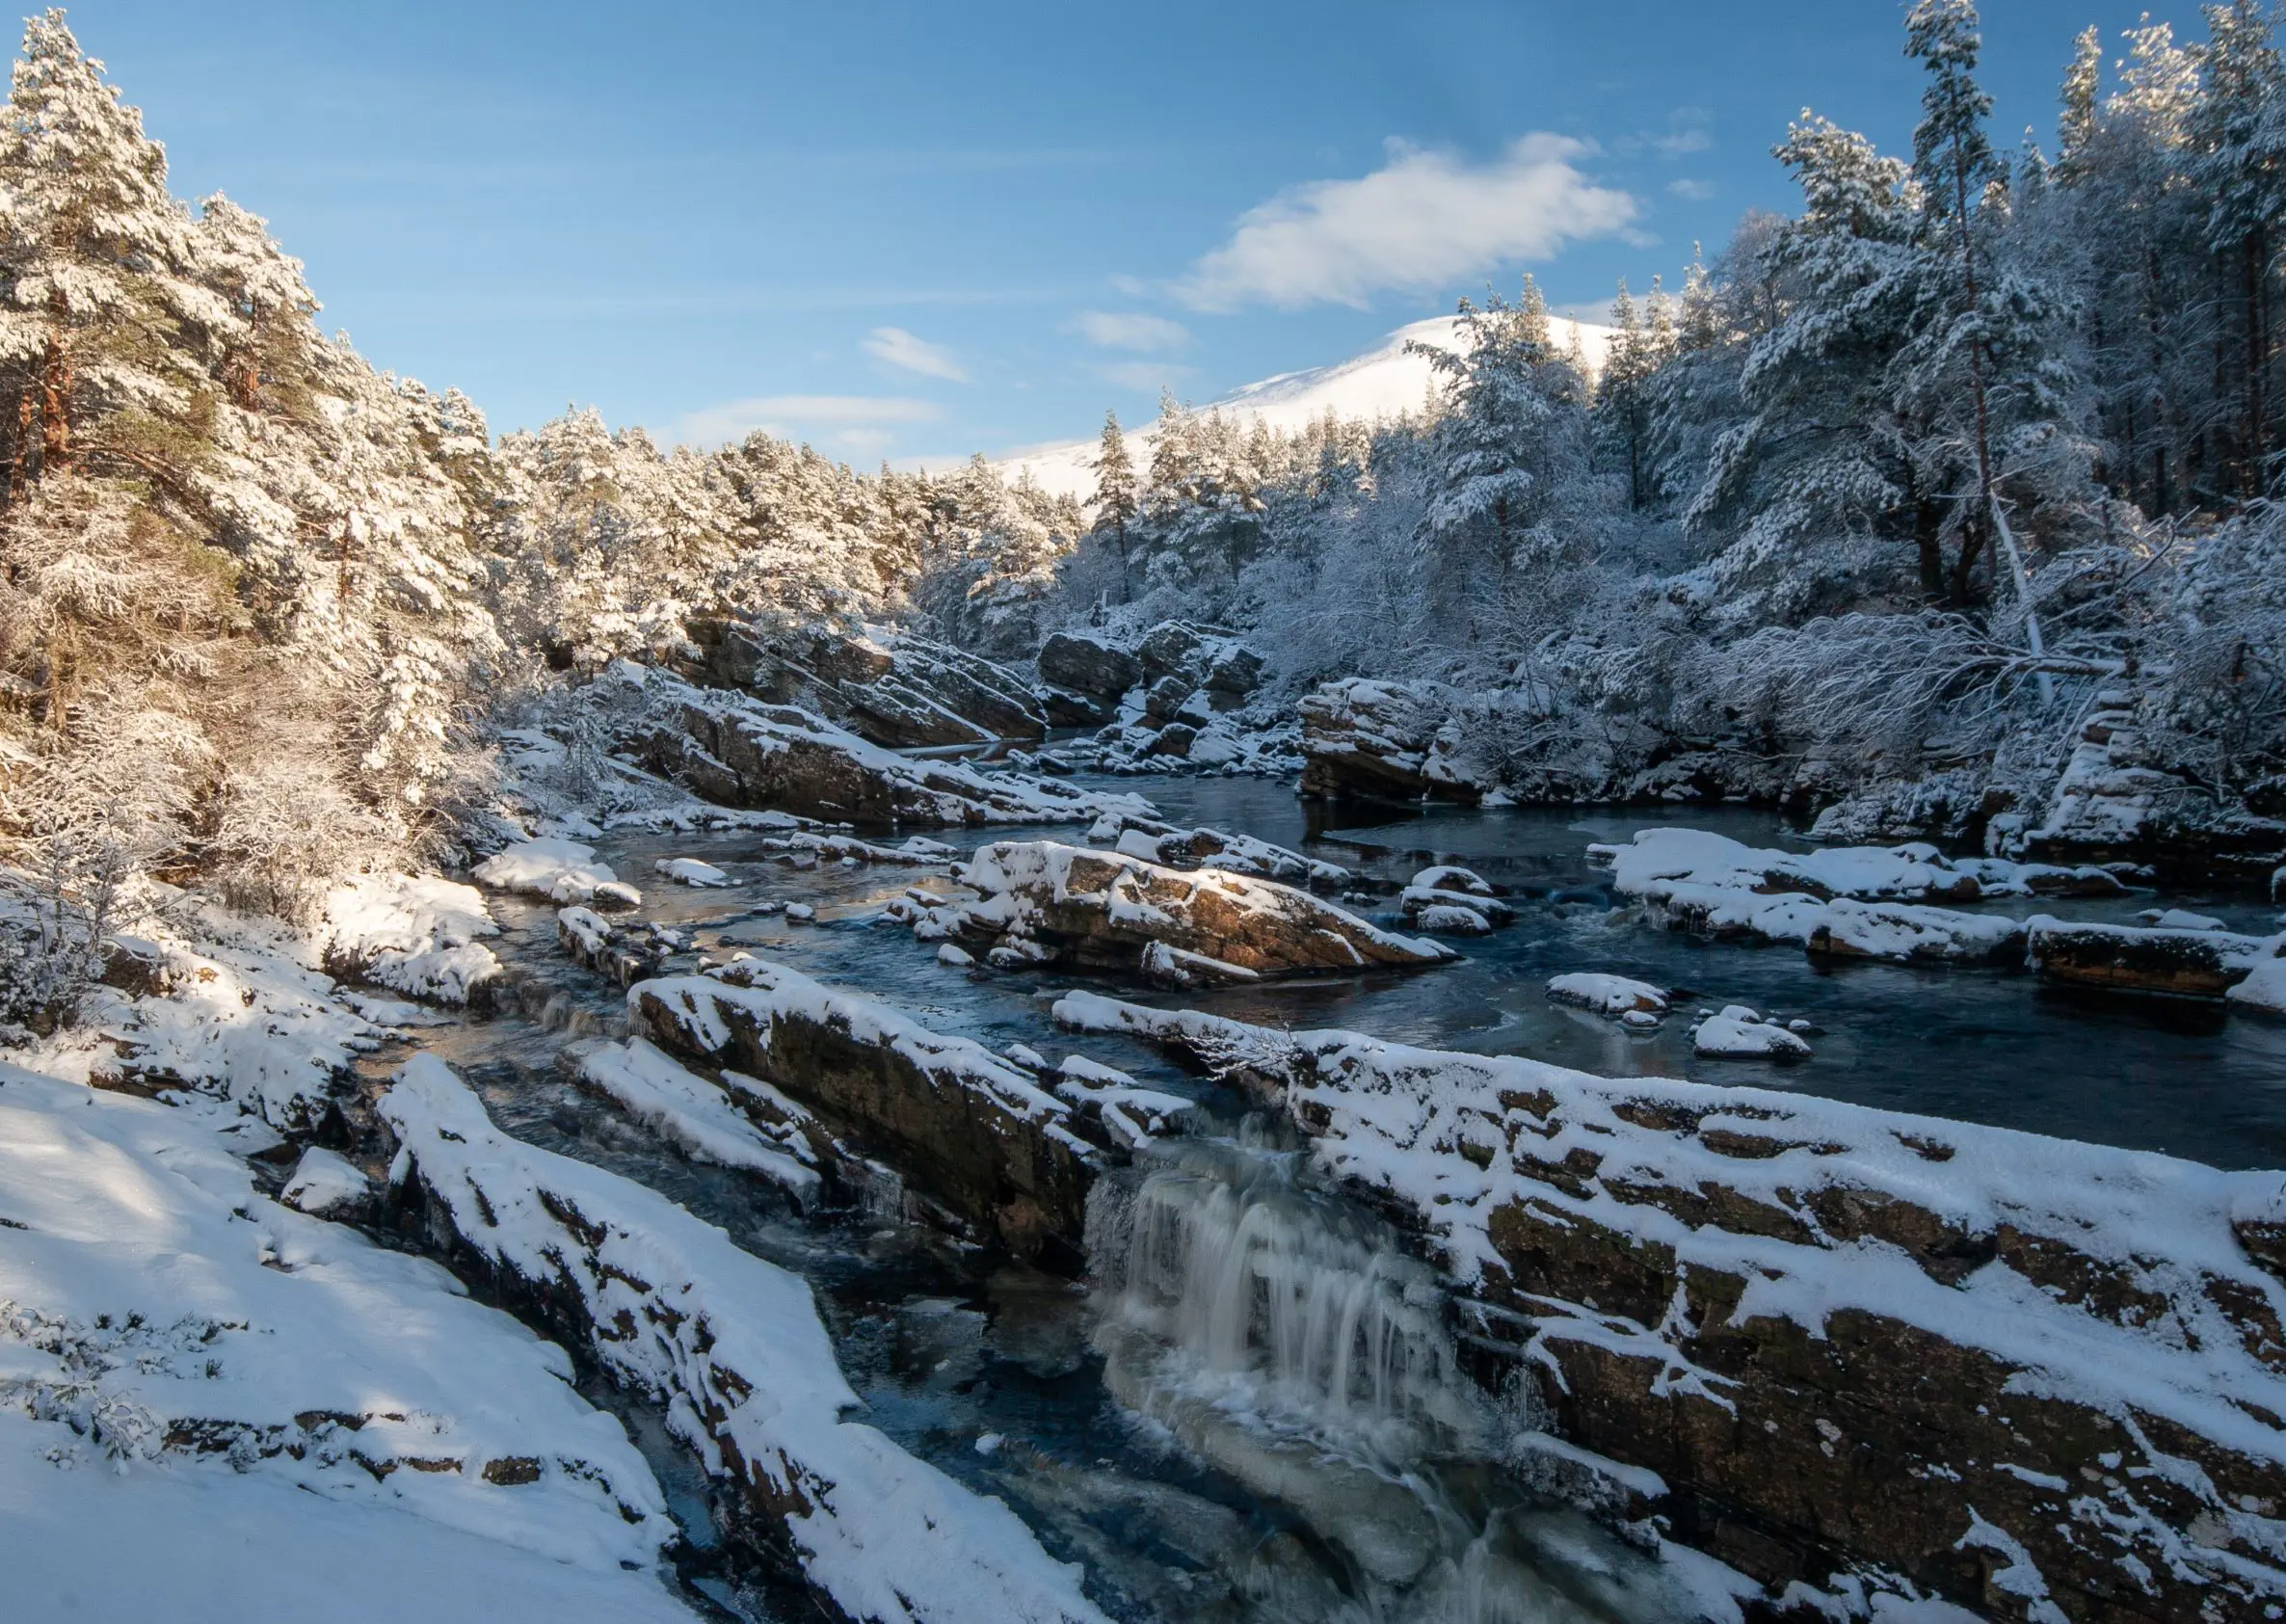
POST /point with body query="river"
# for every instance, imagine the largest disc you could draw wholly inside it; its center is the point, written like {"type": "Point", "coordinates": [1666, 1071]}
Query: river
{"type": "Point", "coordinates": [1251, 1411]}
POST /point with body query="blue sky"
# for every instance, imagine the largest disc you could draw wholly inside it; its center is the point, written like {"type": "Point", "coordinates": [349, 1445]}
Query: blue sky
{"type": "Point", "coordinates": [914, 230]}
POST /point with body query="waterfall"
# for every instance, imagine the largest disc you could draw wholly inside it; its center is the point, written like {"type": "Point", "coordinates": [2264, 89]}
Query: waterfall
{"type": "Point", "coordinates": [1261, 1295]}
{"type": "Point", "coordinates": [1287, 1337]}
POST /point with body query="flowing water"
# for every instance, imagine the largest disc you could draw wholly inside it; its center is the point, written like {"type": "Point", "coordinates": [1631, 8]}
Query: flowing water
{"type": "Point", "coordinates": [1254, 1408]}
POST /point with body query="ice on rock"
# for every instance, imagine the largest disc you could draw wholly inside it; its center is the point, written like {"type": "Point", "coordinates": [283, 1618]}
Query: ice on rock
{"type": "Point", "coordinates": [690, 872]}
{"type": "Point", "coordinates": [954, 957]}
{"type": "Point", "coordinates": [558, 871]}
{"type": "Point", "coordinates": [800, 913]}
{"type": "Point", "coordinates": [1608, 994]}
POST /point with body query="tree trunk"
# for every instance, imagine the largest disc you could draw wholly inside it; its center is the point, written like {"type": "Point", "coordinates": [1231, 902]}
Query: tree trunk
{"type": "Point", "coordinates": [1931, 547]}
{"type": "Point", "coordinates": [2250, 259]}
{"type": "Point", "coordinates": [55, 408]}
{"type": "Point", "coordinates": [1971, 542]}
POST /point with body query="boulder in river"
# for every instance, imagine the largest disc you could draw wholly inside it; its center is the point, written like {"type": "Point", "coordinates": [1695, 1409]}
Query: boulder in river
{"type": "Point", "coordinates": [2197, 964]}
{"type": "Point", "coordinates": [1380, 740]}
{"type": "Point", "coordinates": [1108, 910]}
{"type": "Point", "coordinates": [1082, 664]}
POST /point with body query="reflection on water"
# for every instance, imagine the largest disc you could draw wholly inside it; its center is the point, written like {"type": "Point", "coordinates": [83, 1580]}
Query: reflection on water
{"type": "Point", "coordinates": [1253, 1412]}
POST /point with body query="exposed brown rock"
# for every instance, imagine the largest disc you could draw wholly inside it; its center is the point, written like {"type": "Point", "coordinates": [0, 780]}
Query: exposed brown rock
{"type": "Point", "coordinates": [966, 1128]}
{"type": "Point", "coordinates": [2197, 964]}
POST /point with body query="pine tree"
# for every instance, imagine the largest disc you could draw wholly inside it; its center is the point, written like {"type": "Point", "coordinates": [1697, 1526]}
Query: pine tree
{"type": "Point", "coordinates": [1115, 500]}
{"type": "Point", "coordinates": [2075, 127]}
{"type": "Point", "coordinates": [2242, 169]}
{"type": "Point", "coordinates": [1954, 163]}
{"type": "Point", "coordinates": [1621, 413]}
{"type": "Point", "coordinates": [90, 270]}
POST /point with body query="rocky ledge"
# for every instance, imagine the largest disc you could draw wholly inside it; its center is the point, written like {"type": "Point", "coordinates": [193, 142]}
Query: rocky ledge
{"type": "Point", "coordinates": [1859, 1350]}
{"type": "Point", "coordinates": [887, 686]}
{"type": "Point", "coordinates": [738, 752]}
{"type": "Point", "coordinates": [976, 1134]}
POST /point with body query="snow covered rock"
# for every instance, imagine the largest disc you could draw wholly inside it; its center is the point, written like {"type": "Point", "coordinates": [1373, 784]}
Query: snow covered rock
{"type": "Point", "coordinates": [1088, 665]}
{"type": "Point", "coordinates": [1904, 933]}
{"type": "Point", "coordinates": [620, 953]}
{"type": "Point", "coordinates": [1105, 909]}
{"type": "Point", "coordinates": [703, 1117]}
{"type": "Point", "coordinates": [1384, 740]}
{"type": "Point", "coordinates": [240, 1014]}
{"type": "Point", "coordinates": [556, 871]}
{"type": "Point", "coordinates": [740, 753]}
{"type": "Point", "coordinates": [1727, 1037]}
{"type": "Point", "coordinates": [1214, 848]}
{"type": "Point", "coordinates": [1846, 902]}
{"type": "Point", "coordinates": [415, 934]}
{"type": "Point", "coordinates": [1449, 899]}
{"type": "Point", "coordinates": [968, 1130]}
{"type": "Point", "coordinates": [1606, 995]}
{"type": "Point", "coordinates": [1678, 862]}
{"type": "Point", "coordinates": [1131, 1113]}
{"type": "Point", "coordinates": [690, 872]}
{"type": "Point", "coordinates": [917, 851]}
{"type": "Point", "coordinates": [733, 1348]}
{"type": "Point", "coordinates": [325, 1186]}
{"type": "Point", "coordinates": [2263, 989]}
{"type": "Point", "coordinates": [2199, 963]}
{"type": "Point", "coordinates": [2178, 918]}
{"type": "Point", "coordinates": [887, 685]}
{"type": "Point", "coordinates": [260, 1388]}
{"type": "Point", "coordinates": [1782, 1304]}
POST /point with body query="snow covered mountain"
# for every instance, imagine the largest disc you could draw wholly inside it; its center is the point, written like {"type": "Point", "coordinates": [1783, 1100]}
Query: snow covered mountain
{"type": "Point", "coordinates": [1381, 382]}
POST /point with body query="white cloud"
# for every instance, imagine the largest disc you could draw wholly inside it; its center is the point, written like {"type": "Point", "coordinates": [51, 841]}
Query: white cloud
{"type": "Point", "coordinates": [1114, 329]}
{"type": "Point", "coordinates": [901, 348]}
{"type": "Point", "coordinates": [1682, 141]}
{"type": "Point", "coordinates": [795, 416]}
{"type": "Point", "coordinates": [1697, 191]}
{"type": "Point", "coordinates": [1143, 375]}
{"type": "Point", "coordinates": [1422, 222]}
